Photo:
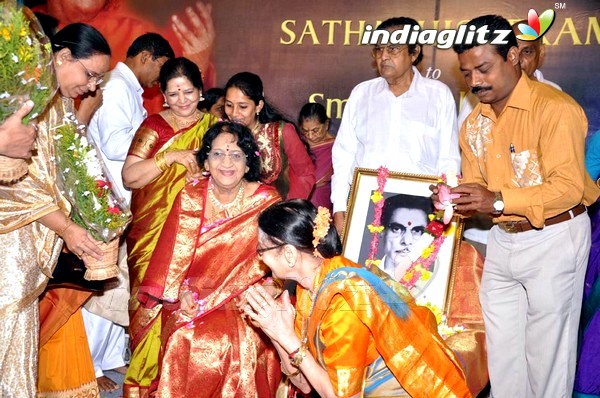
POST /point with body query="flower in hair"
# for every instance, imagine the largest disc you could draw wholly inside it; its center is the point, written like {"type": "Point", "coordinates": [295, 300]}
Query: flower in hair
{"type": "Point", "coordinates": [322, 225]}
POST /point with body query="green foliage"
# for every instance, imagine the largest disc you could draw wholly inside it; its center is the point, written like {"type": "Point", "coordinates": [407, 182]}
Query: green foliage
{"type": "Point", "coordinates": [95, 207]}
{"type": "Point", "coordinates": [26, 67]}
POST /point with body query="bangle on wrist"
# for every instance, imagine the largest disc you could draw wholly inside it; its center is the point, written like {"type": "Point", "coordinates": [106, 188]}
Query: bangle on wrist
{"type": "Point", "coordinates": [297, 356]}
{"type": "Point", "coordinates": [160, 160]}
{"type": "Point", "coordinates": [293, 374]}
{"type": "Point", "coordinates": [64, 229]}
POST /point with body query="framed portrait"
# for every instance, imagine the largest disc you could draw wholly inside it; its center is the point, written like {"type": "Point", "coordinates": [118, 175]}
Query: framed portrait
{"type": "Point", "coordinates": [403, 244]}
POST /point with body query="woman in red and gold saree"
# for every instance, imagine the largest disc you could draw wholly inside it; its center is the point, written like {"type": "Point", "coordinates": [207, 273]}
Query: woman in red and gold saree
{"type": "Point", "coordinates": [285, 160]}
{"type": "Point", "coordinates": [207, 250]}
{"type": "Point", "coordinates": [356, 331]}
{"type": "Point", "coordinates": [162, 152]}
{"type": "Point", "coordinates": [314, 125]}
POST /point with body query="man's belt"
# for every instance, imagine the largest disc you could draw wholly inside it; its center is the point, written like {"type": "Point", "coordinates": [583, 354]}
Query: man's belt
{"type": "Point", "coordinates": [524, 225]}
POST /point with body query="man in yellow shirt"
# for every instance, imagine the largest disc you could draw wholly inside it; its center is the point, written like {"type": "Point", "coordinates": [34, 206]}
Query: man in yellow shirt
{"type": "Point", "coordinates": [523, 162]}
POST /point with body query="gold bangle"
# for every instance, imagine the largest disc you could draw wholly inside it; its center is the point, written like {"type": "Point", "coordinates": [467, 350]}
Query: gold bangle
{"type": "Point", "coordinates": [293, 374]}
{"type": "Point", "coordinates": [297, 356]}
{"type": "Point", "coordinates": [62, 231]}
{"type": "Point", "coordinates": [160, 160]}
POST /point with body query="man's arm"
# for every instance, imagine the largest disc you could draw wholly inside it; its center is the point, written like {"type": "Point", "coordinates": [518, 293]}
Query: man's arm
{"type": "Point", "coordinates": [343, 156]}
{"type": "Point", "coordinates": [114, 120]}
{"type": "Point", "coordinates": [449, 147]}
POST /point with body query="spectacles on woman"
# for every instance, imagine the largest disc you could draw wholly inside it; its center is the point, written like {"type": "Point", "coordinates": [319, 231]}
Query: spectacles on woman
{"type": "Point", "coordinates": [261, 250]}
{"type": "Point", "coordinates": [393, 50]}
{"type": "Point", "coordinates": [219, 156]}
{"type": "Point", "coordinates": [92, 77]}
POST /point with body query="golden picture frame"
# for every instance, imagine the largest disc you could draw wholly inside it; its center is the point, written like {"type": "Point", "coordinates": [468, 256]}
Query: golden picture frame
{"type": "Point", "coordinates": [358, 239]}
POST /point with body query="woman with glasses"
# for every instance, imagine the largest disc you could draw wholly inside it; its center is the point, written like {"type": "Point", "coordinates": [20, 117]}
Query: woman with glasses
{"type": "Point", "coordinates": [205, 258]}
{"type": "Point", "coordinates": [285, 157]}
{"type": "Point", "coordinates": [34, 223]}
{"type": "Point", "coordinates": [353, 331]}
{"type": "Point", "coordinates": [162, 152]}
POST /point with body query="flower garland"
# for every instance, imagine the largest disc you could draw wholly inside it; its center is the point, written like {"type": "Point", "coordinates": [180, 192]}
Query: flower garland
{"type": "Point", "coordinates": [322, 225]}
{"type": "Point", "coordinates": [26, 67]}
{"type": "Point", "coordinates": [444, 329]}
{"type": "Point", "coordinates": [424, 251]}
{"type": "Point", "coordinates": [375, 227]}
{"type": "Point", "coordinates": [95, 206]}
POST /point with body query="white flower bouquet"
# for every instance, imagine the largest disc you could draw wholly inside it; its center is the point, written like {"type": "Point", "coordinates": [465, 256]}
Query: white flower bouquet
{"type": "Point", "coordinates": [96, 206]}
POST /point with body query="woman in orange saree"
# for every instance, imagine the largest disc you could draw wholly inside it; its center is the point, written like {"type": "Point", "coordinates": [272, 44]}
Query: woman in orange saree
{"type": "Point", "coordinates": [356, 331]}
{"type": "Point", "coordinates": [207, 255]}
{"type": "Point", "coordinates": [162, 152]}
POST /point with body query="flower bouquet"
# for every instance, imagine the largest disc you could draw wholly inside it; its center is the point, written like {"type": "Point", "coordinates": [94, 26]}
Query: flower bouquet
{"type": "Point", "coordinates": [26, 73]}
{"type": "Point", "coordinates": [96, 207]}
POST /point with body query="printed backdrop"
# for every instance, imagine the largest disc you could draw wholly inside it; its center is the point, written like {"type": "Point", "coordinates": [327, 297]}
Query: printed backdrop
{"type": "Point", "coordinates": [308, 50]}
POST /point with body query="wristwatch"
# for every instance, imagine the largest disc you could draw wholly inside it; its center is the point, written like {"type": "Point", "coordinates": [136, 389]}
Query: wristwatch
{"type": "Point", "coordinates": [498, 204]}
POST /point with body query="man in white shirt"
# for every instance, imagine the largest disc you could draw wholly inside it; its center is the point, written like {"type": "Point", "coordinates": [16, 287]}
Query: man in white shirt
{"type": "Point", "coordinates": [400, 120]}
{"type": "Point", "coordinates": [112, 129]}
{"type": "Point", "coordinates": [531, 56]}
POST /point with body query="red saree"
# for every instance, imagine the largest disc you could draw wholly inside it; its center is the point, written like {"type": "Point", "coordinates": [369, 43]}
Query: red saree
{"type": "Point", "coordinates": [321, 194]}
{"type": "Point", "coordinates": [217, 353]}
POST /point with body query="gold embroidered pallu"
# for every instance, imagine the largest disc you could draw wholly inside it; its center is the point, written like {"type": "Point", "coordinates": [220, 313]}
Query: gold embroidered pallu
{"type": "Point", "coordinates": [30, 252]}
{"type": "Point", "coordinates": [217, 353]}
{"type": "Point", "coordinates": [150, 206]}
{"type": "Point", "coordinates": [368, 325]}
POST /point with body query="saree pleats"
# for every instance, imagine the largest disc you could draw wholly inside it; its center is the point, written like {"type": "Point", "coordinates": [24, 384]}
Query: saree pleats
{"type": "Point", "coordinates": [216, 353]}
{"type": "Point", "coordinates": [68, 367]}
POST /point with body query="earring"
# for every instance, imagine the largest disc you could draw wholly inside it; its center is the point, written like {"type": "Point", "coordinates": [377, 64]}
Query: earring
{"type": "Point", "coordinates": [206, 173]}
{"type": "Point", "coordinates": [165, 105]}
{"type": "Point", "coordinates": [58, 62]}
{"type": "Point", "coordinates": [257, 113]}
{"type": "Point", "coordinates": [201, 98]}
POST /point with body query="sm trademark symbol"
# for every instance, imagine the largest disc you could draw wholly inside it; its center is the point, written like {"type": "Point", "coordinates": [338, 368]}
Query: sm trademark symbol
{"type": "Point", "coordinates": [560, 6]}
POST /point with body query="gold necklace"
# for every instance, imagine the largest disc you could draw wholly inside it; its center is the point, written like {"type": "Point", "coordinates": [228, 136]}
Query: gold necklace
{"type": "Point", "coordinates": [180, 124]}
{"type": "Point", "coordinates": [220, 206]}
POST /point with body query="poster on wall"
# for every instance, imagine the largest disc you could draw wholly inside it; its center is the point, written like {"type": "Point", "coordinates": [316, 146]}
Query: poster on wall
{"type": "Point", "coordinates": [310, 50]}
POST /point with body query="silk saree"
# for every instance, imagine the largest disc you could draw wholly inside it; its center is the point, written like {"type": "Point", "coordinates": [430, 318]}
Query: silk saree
{"type": "Point", "coordinates": [216, 353]}
{"type": "Point", "coordinates": [30, 252]}
{"type": "Point", "coordinates": [364, 323]}
{"type": "Point", "coordinates": [150, 206]}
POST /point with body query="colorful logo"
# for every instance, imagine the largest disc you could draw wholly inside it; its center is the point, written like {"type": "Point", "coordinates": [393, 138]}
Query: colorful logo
{"type": "Point", "coordinates": [536, 26]}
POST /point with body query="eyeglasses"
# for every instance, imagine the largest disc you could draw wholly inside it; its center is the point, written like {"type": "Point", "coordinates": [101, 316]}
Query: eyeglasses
{"type": "Point", "coordinates": [393, 50]}
{"type": "Point", "coordinates": [92, 76]}
{"type": "Point", "coordinates": [266, 249]}
{"type": "Point", "coordinates": [219, 156]}
{"type": "Point", "coordinates": [396, 229]}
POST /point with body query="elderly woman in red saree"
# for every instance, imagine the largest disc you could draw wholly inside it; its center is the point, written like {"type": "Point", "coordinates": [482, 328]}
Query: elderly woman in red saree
{"type": "Point", "coordinates": [353, 331]}
{"type": "Point", "coordinates": [206, 256]}
{"type": "Point", "coordinates": [162, 152]}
